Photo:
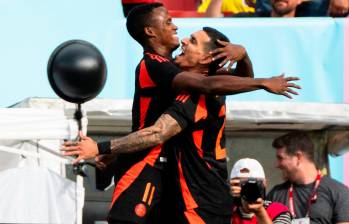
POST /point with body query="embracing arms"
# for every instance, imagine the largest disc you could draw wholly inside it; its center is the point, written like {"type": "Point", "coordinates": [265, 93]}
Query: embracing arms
{"type": "Point", "coordinates": [163, 129]}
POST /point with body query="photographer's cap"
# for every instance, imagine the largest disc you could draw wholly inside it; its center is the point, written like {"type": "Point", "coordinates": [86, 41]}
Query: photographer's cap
{"type": "Point", "coordinates": [247, 168]}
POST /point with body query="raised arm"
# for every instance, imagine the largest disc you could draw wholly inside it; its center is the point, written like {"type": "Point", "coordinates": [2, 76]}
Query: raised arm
{"type": "Point", "coordinates": [163, 129]}
{"type": "Point", "coordinates": [228, 85]}
{"type": "Point", "coordinates": [225, 83]}
{"type": "Point", "coordinates": [233, 53]}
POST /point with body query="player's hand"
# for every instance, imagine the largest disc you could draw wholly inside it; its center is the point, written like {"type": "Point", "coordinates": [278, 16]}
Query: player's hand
{"type": "Point", "coordinates": [235, 187]}
{"type": "Point", "coordinates": [230, 52]}
{"type": "Point", "coordinates": [102, 161]}
{"type": "Point", "coordinates": [86, 148]}
{"type": "Point", "coordinates": [281, 85]}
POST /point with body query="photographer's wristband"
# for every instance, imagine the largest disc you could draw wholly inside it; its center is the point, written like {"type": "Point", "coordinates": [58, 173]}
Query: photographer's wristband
{"type": "Point", "coordinates": [104, 147]}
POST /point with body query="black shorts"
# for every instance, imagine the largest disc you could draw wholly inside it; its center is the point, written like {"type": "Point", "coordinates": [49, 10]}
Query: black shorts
{"type": "Point", "coordinates": [136, 195]}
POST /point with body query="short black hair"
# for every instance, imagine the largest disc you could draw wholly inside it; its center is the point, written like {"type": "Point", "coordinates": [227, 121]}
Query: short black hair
{"type": "Point", "coordinates": [214, 35]}
{"type": "Point", "coordinates": [296, 141]}
{"type": "Point", "coordinates": [139, 18]}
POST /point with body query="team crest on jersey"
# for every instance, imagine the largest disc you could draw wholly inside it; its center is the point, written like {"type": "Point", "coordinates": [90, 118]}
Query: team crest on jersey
{"type": "Point", "coordinates": [140, 210]}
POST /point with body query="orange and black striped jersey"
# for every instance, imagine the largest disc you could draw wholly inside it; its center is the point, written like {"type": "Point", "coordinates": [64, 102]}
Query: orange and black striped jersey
{"type": "Point", "coordinates": [153, 91]}
{"type": "Point", "coordinates": [153, 95]}
{"type": "Point", "coordinates": [199, 153]}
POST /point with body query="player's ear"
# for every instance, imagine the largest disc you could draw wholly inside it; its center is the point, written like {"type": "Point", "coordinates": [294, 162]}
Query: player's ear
{"type": "Point", "coordinates": [149, 31]}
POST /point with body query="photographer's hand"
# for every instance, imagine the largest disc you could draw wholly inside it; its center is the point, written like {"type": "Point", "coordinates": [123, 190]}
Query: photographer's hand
{"type": "Point", "coordinates": [235, 187]}
{"type": "Point", "coordinates": [258, 209]}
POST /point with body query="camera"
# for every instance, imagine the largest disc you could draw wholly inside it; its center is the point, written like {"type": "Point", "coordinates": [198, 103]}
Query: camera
{"type": "Point", "coordinates": [252, 189]}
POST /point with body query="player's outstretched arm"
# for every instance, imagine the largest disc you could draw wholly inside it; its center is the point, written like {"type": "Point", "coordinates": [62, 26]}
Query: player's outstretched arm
{"type": "Point", "coordinates": [163, 129]}
{"type": "Point", "coordinates": [229, 85]}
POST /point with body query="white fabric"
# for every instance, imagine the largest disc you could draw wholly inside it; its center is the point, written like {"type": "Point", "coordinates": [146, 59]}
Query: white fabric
{"type": "Point", "coordinates": [247, 168]}
{"type": "Point", "coordinates": [35, 123]}
{"type": "Point", "coordinates": [36, 132]}
{"type": "Point", "coordinates": [33, 186]}
{"type": "Point", "coordinates": [36, 195]}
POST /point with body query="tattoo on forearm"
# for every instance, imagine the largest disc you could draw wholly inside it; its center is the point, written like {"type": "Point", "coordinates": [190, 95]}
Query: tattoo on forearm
{"type": "Point", "coordinates": [163, 129]}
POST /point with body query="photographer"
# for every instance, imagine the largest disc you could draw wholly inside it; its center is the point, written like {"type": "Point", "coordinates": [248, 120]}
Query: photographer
{"type": "Point", "coordinates": [311, 197]}
{"type": "Point", "coordinates": [248, 185]}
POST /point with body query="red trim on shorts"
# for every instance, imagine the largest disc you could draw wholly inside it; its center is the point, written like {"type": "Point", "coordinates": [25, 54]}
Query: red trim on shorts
{"type": "Point", "coordinates": [131, 175]}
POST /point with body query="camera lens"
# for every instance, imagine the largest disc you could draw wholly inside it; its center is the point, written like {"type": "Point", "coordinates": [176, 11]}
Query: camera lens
{"type": "Point", "coordinates": [252, 189]}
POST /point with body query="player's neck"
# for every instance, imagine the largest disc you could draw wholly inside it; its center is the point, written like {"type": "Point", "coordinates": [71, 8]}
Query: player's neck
{"type": "Point", "coordinates": [160, 50]}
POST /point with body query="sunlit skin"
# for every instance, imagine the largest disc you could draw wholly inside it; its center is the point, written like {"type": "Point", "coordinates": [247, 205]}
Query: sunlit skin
{"type": "Point", "coordinates": [194, 56]}
{"type": "Point", "coordinates": [287, 164]}
{"type": "Point", "coordinates": [162, 33]}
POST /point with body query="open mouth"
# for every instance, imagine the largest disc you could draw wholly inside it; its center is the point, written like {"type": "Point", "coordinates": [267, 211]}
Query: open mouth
{"type": "Point", "coordinates": [175, 35]}
{"type": "Point", "coordinates": [182, 50]}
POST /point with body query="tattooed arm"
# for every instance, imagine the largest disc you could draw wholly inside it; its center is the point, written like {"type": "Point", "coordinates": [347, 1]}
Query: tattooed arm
{"type": "Point", "coordinates": [163, 129]}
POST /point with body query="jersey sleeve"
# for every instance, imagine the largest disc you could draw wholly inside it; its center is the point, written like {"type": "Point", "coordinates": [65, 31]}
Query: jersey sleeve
{"type": "Point", "coordinates": [161, 71]}
{"type": "Point", "coordinates": [183, 110]}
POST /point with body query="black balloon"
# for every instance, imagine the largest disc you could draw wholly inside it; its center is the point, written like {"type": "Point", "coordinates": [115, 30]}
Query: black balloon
{"type": "Point", "coordinates": [77, 71]}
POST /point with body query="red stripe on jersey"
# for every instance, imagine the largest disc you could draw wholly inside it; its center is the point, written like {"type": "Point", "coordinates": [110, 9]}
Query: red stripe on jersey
{"type": "Point", "coordinates": [144, 105]}
{"type": "Point", "coordinates": [197, 138]}
{"type": "Point", "coordinates": [187, 196]}
{"type": "Point", "coordinates": [182, 98]}
{"type": "Point", "coordinates": [153, 155]}
{"type": "Point", "coordinates": [131, 175]}
{"type": "Point", "coordinates": [144, 78]}
{"type": "Point", "coordinates": [201, 110]}
{"type": "Point", "coordinates": [186, 97]}
{"type": "Point", "coordinates": [157, 57]}
{"type": "Point", "coordinates": [193, 217]}
{"type": "Point", "coordinates": [179, 98]}
{"type": "Point", "coordinates": [221, 153]}
{"type": "Point", "coordinates": [222, 111]}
